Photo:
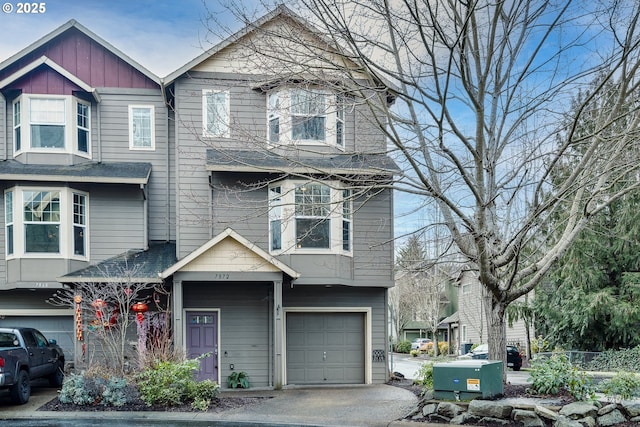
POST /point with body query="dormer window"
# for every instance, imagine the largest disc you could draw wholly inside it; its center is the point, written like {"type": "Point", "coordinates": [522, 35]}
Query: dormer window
{"type": "Point", "coordinates": [305, 116]}
{"type": "Point", "coordinates": [48, 123]}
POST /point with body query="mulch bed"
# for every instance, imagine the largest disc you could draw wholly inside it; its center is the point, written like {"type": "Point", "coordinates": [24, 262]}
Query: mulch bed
{"type": "Point", "coordinates": [217, 405]}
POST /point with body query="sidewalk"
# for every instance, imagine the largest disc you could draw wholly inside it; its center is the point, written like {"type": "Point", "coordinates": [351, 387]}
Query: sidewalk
{"type": "Point", "coordinates": [368, 405]}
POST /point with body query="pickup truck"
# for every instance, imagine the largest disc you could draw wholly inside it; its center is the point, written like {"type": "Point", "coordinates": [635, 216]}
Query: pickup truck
{"type": "Point", "coordinates": [26, 354]}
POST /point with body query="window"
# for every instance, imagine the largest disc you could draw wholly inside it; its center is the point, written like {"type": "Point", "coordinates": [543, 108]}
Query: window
{"type": "Point", "coordinates": [340, 121]}
{"type": "Point", "coordinates": [309, 216]}
{"type": "Point", "coordinates": [305, 116]}
{"type": "Point", "coordinates": [274, 117]}
{"type": "Point", "coordinates": [141, 127]}
{"type": "Point", "coordinates": [41, 221]}
{"type": "Point", "coordinates": [313, 205]}
{"type": "Point", "coordinates": [275, 218]}
{"type": "Point", "coordinates": [51, 123]}
{"type": "Point", "coordinates": [46, 222]}
{"type": "Point", "coordinates": [82, 119]}
{"type": "Point", "coordinates": [8, 220]}
{"type": "Point", "coordinates": [308, 118]}
{"type": "Point", "coordinates": [215, 109]}
{"type": "Point", "coordinates": [346, 220]}
{"type": "Point", "coordinates": [16, 125]}
{"type": "Point", "coordinates": [466, 289]}
{"type": "Point", "coordinates": [79, 223]}
{"type": "Point", "coordinates": [463, 333]}
{"type": "Point", "coordinates": [48, 119]}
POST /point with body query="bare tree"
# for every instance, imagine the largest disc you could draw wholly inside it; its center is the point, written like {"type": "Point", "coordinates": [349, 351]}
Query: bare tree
{"type": "Point", "coordinates": [108, 320]}
{"type": "Point", "coordinates": [481, 116]}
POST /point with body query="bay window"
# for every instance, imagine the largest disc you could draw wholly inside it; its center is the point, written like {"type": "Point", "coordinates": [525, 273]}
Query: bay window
{"type": "Point", "coordinates": [305, 116]}
{"type": "Point", "coordinates": [309, 217]}
{"type": "Point", "coordinates": [51, 123]}
{"type": "Point", "coordinates": [45, 222]}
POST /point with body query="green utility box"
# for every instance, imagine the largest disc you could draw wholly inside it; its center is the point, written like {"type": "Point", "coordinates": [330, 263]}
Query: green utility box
{"type": "Point", "coordinates": [467, 379]}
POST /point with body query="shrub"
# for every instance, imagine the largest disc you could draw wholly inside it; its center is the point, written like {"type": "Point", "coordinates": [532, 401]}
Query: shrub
{"type": "Point", "coordinates": [238, 379]}
{"type": "Point", "coordinates": [443, 347]}
{"type": "Point", "coordinates": [173, 384]}
{"type": "Point", "coordinates": [75, 390]}
{"type": "Point", "coordinates": [623, 386]}
{"type": "Point", "coordinates": [550, 375]}
{"type": "Point", "coordinates": [88, 389]}
{"type": "Point", "coordinates": [617, 360]}
{"type": "Point", "coordinates": [424, 376]}
{"type": "Point", "coordinates": [403, 346]}
{"type": "Point", "coordinates": [117, 392]}
{"type": "Point", "coordinates": [414, 353]}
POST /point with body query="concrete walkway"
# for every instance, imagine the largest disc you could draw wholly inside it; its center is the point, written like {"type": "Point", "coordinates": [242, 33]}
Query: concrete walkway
{"type": "Point", "coordinates": [369, 405]}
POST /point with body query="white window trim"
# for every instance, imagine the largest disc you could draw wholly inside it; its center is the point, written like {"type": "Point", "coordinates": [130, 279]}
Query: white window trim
{"type": "Point", "coordinates": [226, 126]}
{"type": "Point", "coordinates": [66, 224]}
{"type": "Point", "coordinates": [285, 121]}
{"type": "Point", "coordinates": [288, 219]}
{"type": "Point", "coordinates": [152, 109]}
{"type": "Point", "coordinates": [70, 125]}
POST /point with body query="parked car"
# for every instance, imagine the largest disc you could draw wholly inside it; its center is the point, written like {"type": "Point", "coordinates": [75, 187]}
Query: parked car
{"type": "Point", "coordinates": [514, 358]}
{"type": "Point", "coordinates": [418, 343]}
{"type": "Point", "coordinates": [25, 354]}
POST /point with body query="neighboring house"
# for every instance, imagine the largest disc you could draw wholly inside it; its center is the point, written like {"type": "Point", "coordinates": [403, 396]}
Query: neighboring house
{"type": "Point", "coordinates": [245, 198]}
{"type": "Point", "coordinates": [82, 126]}
{"type": "Point", "coordinates": [471, 320]}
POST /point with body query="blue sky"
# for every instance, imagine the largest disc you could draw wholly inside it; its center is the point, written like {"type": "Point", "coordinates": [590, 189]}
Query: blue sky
{"type": "Point", "coordinates": [162, 35]}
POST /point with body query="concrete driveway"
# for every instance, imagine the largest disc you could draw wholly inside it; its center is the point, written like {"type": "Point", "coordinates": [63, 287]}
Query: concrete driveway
{"type": "Point", "coordinates": [366, 405]}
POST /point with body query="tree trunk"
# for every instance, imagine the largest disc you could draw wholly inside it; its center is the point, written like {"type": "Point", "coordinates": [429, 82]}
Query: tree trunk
{"type": "Point", "coordinates": [496, 332]}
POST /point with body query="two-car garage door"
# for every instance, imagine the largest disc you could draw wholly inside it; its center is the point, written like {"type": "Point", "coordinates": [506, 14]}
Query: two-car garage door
{"type": "Point", "coordinates": [325, 348]}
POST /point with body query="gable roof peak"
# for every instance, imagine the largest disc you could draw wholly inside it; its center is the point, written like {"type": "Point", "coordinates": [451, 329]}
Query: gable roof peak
{"type": "Point", "coordinates": [73, 23]}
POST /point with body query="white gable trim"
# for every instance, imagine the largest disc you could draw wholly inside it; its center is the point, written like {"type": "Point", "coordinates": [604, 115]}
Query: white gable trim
{"type": "Point", "coordinates": [244, 242]}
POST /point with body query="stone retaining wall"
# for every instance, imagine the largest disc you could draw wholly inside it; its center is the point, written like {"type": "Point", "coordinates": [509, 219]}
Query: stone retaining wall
{"type": "Point", "coordinates": [511, 412]}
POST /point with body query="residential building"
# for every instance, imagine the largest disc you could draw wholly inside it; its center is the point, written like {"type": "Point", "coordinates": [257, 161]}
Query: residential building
{"type": "Point", "coordinates": [256, 194]}
{"type": "Point", "coordinates": [469, 324]}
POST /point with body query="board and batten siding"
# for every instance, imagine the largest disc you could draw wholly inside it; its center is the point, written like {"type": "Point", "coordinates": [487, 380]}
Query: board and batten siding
{"type": "Point", "coordinates": [348, 297]}
{"type": "Point", "coordinates": [246, 328]}
{"type": "Point", "coordinates": [114, 139]}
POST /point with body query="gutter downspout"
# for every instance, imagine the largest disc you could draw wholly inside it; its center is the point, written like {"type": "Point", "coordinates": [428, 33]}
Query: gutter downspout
{"type": "Point", "coordinates": [168, 174]}
{"type": "Point", "coordinates": [145, 219]}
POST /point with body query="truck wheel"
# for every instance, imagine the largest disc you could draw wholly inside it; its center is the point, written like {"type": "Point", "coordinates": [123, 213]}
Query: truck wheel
{"type": "Point", "coordinates": [55, 379]}
{"type": "Point", "coordinates": [21, 390]}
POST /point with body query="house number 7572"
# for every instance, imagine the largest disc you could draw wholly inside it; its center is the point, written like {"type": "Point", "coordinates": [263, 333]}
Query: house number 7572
{"type": "Point", "coordinates": [221, 276]}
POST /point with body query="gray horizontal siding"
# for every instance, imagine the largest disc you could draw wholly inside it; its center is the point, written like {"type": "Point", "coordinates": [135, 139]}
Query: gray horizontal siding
{"type": "Point", "coordinates": [116, 221]}
{"type": "Point", "coordinates": [244, 325]}
{"type": "Point", "coordinates": [114, 135]}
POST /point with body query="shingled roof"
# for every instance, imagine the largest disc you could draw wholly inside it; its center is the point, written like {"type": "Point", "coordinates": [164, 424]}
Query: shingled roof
{"type": "Point", "coordinates": [268, 161]}
{"type": "Point", "coordinates": [90, 172]}
{"type": "Point", "coordinates": [134, 265]}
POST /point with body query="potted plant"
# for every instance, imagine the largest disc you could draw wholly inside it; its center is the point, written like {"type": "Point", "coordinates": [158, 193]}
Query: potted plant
{"type": "Point", "coordinates": [238, 379]}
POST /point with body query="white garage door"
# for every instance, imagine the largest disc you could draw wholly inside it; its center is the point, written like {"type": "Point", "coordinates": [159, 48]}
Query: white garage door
{"type": "Point", "coordinates": [59, 328]}
{"type": "Point", "coordinates": [325, 348]}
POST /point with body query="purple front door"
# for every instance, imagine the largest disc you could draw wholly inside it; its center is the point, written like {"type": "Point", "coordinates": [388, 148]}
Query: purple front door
{"type": "Point", "coordinates": [202, 337]}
